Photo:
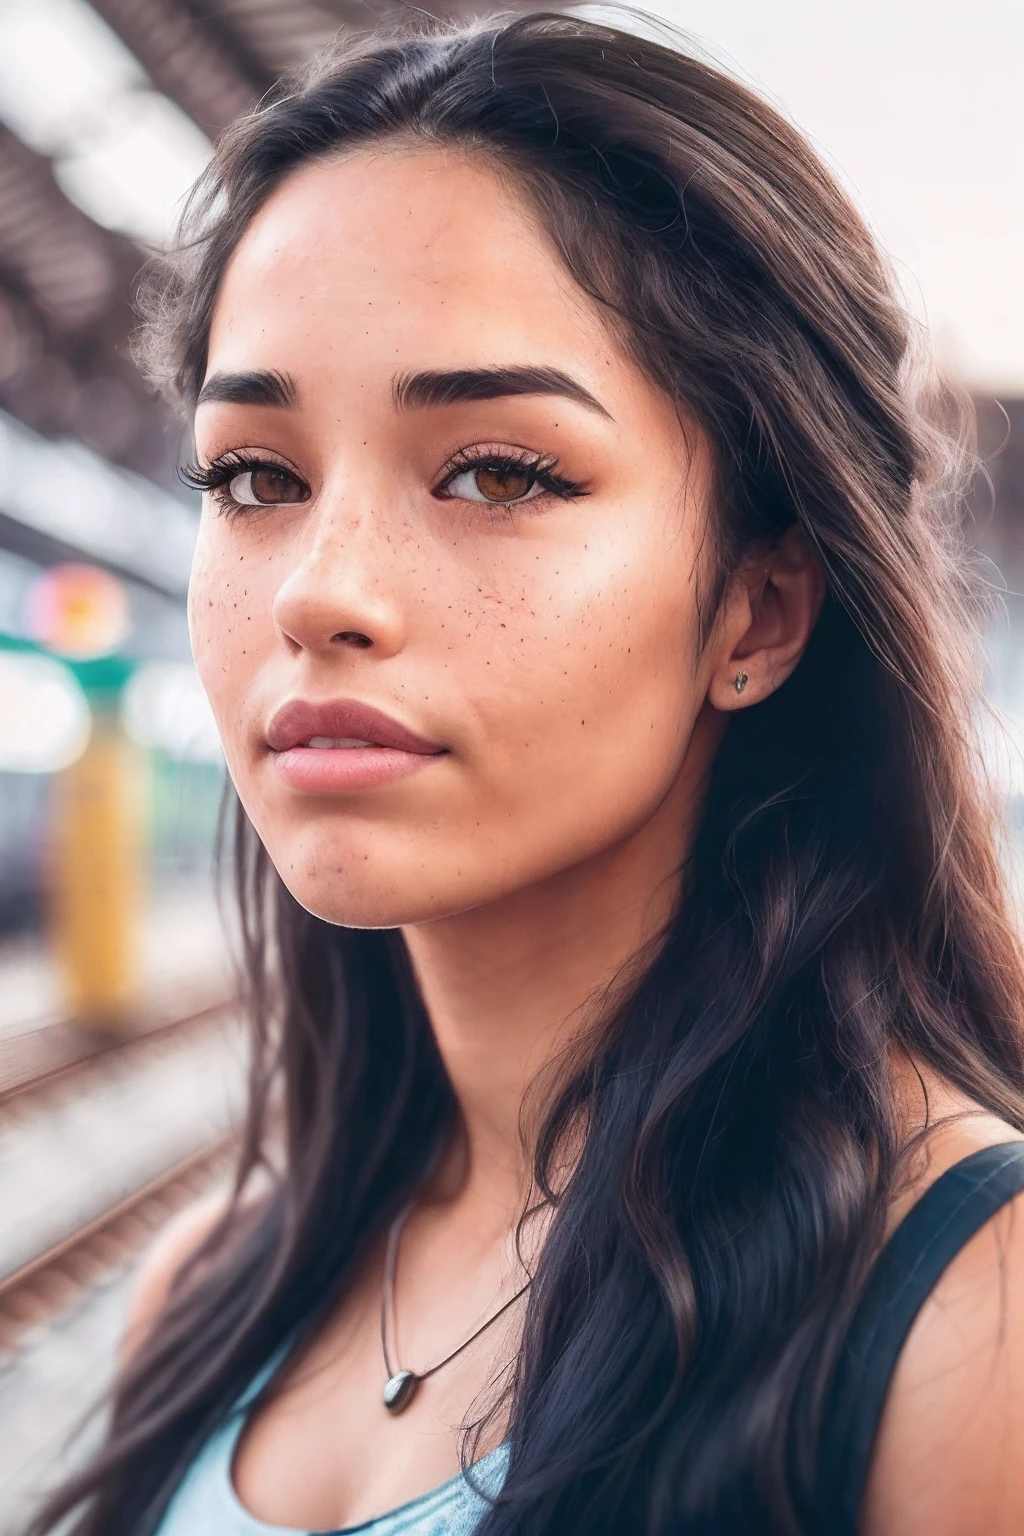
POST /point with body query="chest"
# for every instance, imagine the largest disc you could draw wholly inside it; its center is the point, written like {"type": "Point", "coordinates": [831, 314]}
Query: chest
{"type": "Point", "coordinates": [324, 1452]}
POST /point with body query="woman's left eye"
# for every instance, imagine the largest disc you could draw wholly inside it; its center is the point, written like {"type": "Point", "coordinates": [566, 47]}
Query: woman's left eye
{"type": "Point", "coordinates": [505, 480]}
{"type": "Point", "coordinates": [495, 483]}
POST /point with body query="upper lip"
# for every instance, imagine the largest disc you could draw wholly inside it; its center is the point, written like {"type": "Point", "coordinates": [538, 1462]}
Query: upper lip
{"type": "Point", "coordinates": [295, 722]}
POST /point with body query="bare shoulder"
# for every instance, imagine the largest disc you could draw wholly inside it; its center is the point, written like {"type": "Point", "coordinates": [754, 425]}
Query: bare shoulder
{"type": "Point", "coordinates": [949, 1460]}
{"type": "Point", "coordinates": [172, 1248]}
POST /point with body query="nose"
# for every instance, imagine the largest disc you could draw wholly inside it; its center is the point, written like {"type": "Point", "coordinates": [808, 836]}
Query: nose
{"type": "Point", "coordinates": [341, 593]}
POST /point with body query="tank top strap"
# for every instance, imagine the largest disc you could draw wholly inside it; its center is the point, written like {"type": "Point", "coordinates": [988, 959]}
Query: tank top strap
{"type": "Point", "coordinates": [910, 1265]}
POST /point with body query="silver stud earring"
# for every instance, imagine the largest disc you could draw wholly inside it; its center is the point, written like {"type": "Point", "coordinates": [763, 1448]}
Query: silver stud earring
{"type": "Point", "coordinates": [740, 681]}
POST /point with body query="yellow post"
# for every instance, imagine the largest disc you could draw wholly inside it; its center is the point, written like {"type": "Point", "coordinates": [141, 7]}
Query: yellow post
{"type": "Point", "coordinates": [97, 876]}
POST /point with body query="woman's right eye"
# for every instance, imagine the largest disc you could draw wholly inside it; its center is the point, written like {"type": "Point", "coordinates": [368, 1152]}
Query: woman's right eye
{"type": "Point", "coordinates": [266, 486]}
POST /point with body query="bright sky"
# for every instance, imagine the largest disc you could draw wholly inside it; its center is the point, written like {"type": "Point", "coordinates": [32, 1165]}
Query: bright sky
{"type": "Point", "coordinates": [920, 105]}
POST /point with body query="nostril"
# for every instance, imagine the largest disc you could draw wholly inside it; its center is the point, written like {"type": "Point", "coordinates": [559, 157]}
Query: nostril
{"type": "Point", "coordinates": [351, 637]}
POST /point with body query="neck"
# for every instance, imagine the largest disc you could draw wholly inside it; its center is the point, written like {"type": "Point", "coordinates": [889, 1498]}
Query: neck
{"type": "Point", "coordinates": [510, 986]}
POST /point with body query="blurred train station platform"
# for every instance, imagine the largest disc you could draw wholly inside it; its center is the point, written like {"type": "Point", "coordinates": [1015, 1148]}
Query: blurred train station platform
{"type": "Point", "coordinates": [184, 964]}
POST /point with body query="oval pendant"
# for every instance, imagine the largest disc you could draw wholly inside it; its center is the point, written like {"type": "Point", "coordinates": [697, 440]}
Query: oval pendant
{"type": "Point", "coordinates": [399, 1389]}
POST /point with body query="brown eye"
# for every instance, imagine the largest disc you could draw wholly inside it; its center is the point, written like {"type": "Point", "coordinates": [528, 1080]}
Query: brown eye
{"type": "Point", "coordinates": [496, 482]}
{"type": "Point", "coordinates": [268, 486]}
{"type": "Point", "coordinates": [502, 484]}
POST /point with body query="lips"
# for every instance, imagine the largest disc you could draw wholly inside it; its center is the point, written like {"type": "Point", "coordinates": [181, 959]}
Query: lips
{"type": "Point", "coordinates": [342, 725]}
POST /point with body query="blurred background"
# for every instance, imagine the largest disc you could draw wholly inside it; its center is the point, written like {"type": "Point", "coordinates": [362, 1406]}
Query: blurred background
{"type": "Point", "coordinates": [121, 1059]}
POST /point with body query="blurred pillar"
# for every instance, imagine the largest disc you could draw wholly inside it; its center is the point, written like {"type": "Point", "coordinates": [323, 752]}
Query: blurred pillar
{"type": "Point", "coordinates": [98, 866]}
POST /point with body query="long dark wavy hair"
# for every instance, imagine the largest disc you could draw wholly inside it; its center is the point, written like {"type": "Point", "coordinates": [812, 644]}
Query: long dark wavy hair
{"type": "Point", "coordinates": [843, 900]}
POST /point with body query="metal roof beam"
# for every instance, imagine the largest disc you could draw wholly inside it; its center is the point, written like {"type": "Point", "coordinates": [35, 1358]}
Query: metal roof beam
{"type": "Point", "coordinates": [191, 58]}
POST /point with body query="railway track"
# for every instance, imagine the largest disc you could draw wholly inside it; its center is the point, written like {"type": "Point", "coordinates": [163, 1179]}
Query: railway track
{"type": "Point", "coordinates": [53, 1053]}
{"type": "Point", "coordinates": [50, 1284]}
{"type": "Point", "coordinates": [102, 1138]}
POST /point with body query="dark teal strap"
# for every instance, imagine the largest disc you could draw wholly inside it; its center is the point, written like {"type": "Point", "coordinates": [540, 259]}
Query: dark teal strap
{"type": "Point", "coordinates": [909, 1267]}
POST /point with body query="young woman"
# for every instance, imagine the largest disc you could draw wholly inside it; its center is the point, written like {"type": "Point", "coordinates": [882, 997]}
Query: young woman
{"type": "Point", "coordinates": [637, 1007]}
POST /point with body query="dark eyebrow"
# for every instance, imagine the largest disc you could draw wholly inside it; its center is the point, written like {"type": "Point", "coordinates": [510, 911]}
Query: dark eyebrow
{"type": "Point", "coordinates": [462, 384]}
{"type": "Point", "coordinates": [256, 387]}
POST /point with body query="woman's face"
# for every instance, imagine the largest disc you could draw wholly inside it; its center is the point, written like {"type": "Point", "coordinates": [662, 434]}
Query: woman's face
{"type": "Point", "coordinates": [457, 534]}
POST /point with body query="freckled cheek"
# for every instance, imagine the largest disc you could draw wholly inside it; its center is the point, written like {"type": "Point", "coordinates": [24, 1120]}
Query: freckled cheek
{"type": "Point", "coordinates": [594, 705]}
{"type": "Point", "coordinates": [604, 650]}
{"type": "Point", "coordinates": [227, 616]}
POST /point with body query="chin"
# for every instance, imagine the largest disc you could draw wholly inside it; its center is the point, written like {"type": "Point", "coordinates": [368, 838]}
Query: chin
{"type": "Point", "coordinates": [346, 906]}
{"type": "Point", "coordinates": [369, 883]}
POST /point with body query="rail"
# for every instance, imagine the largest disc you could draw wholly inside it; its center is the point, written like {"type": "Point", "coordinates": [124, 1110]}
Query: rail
{"type": "Point", "coordinates": [52, 1053]}
{"type": "Point", "coordinates": [50, 1283]}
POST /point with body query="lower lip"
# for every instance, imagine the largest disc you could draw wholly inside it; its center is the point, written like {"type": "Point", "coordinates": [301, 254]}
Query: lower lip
{"type": "Point", "coordinates": [338, 770]}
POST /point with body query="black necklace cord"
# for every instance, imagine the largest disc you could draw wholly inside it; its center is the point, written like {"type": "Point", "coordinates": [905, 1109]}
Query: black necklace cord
{"type": "Point", "coordinates": [401, 1384]}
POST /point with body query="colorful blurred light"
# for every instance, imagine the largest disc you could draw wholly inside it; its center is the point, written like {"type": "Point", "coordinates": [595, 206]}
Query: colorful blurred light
{"type": "Point", "coordinates": [44, 716]}
{"type": "Point", "coordinates": [77, 610]}
{"type": "Point", "coordinates": [165, 708]}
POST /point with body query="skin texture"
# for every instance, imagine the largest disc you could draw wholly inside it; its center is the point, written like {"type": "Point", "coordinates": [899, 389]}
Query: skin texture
{"type": "Point", "coordinates": [551, 648]}
{"type": "Point", "coordinates": [539, 645]}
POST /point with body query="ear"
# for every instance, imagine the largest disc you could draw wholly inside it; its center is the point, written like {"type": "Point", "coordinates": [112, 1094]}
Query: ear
{"type": "Point", "coordinates": [765, 621]}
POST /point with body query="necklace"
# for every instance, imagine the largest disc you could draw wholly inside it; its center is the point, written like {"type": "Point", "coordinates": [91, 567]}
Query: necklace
{"type": "Point", "coordinates": [400, 1386]}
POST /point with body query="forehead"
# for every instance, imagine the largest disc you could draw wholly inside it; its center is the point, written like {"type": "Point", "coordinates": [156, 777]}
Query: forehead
{"type": "Point", "coordinates": [383, 253]}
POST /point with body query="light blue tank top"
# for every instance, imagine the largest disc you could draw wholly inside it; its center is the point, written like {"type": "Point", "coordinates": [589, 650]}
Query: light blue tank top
{"type": "Point", "coordinates": [206, 1503]}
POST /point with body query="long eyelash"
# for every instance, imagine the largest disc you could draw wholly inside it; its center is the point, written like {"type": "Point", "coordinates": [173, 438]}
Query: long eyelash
{"type": "Point", "coordinates": [536, 465]}
{"type": "Point", "coordinates": [213, 478]}
{"type": "Point", "coordinates": [210, 477]}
